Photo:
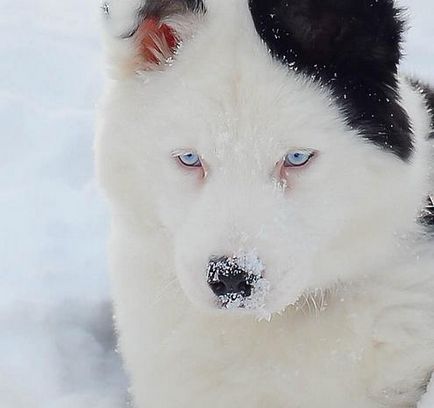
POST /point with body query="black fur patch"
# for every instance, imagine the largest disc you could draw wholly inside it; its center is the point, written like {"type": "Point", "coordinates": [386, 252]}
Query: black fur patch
{"type": "Point", "coordinates": [351, 46]}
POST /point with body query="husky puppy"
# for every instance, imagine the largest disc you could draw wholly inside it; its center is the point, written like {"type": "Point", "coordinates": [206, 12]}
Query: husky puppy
{"type": "Point", "coordinates": [268, 170]}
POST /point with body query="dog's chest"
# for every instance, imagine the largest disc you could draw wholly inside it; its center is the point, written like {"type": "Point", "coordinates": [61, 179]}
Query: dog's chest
{"type": "Point", "coordinates": [299, 362]}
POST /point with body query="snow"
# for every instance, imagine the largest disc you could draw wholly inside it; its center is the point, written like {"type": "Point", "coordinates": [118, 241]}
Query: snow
{"type": "Point", "coordinates": [57, 343]}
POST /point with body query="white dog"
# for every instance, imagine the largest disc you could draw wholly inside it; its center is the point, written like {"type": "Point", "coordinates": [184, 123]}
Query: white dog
{"type": "Point", "coordinates": [268, 173]}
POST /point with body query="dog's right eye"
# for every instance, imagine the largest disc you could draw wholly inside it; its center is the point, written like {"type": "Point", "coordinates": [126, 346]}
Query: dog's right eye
{"type": "Point", "coordinates": [190, 159]}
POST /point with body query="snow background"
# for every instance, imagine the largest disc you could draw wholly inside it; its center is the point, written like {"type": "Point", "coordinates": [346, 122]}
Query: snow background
{"type": "Point", "coordinates": [56, 342]}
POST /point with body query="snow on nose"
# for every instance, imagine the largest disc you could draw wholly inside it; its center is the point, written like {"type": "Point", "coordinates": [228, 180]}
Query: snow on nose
{"type": "Point", "coordinates": [238, 281]}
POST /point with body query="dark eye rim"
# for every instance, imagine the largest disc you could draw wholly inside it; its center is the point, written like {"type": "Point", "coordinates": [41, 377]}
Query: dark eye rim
{"type": "Point", "coordinates": [287, 164]}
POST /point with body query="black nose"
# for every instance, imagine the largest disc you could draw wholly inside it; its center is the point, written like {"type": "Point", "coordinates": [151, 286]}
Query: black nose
{"type": "Point", "coordinates": [226, 277]}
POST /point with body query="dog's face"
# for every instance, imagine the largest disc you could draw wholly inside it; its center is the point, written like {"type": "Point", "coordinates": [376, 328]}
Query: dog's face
{"type": "Point", "coordinates": [278, 165]}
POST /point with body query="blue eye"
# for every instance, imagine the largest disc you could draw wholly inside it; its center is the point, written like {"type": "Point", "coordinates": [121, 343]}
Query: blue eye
{"type": "Point", "coordinates": [298, 158]}
{"type": "Point", "coordinates": [190, 159]}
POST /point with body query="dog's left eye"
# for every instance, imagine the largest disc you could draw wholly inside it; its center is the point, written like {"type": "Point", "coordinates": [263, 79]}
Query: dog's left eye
{"type": "Point", "coordinates": [297, 158]}
{"type": "Point", "coordinates": [190, 159]}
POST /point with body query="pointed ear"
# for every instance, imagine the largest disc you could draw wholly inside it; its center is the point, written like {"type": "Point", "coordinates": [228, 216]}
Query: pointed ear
{"type": "Point", "coordinates": [346, 36]}
{"type": "Point", "coordinates": [145, 35]}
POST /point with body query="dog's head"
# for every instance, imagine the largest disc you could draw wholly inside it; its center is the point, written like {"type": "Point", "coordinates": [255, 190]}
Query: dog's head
{"type": "Point", "coordinates": [267, 138]}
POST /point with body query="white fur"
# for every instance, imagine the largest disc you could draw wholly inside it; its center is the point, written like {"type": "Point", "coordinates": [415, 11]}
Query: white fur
{"type": "Point", "coordinates": [351, 299]}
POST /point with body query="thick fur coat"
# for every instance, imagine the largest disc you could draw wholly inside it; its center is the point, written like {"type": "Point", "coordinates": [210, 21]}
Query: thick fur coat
{"type": "Point", "coordinates": [340, 306]}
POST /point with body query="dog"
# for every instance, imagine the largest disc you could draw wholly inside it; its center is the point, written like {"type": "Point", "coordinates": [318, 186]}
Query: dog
{"type": "Point", "coordinates": [268, 169]}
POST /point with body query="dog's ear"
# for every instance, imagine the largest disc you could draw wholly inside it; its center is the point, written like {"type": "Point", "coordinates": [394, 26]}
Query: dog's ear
{"type": "Point", "coordinates": [344, 36]}
{"type": "Point", "coordinates": [144, 35]}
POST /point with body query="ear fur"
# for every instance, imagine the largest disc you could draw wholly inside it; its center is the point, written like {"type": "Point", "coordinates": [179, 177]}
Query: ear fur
{"type": "Point", "coordinates": [145, 35]}
{"type": "Point", "coordinates": [156, 43]}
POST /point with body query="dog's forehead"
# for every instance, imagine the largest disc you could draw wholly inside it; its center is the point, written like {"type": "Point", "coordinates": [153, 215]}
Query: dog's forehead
{"type": "Point", "coordinates": [254, 122]}
{"type": "Point", "coordinates": [250, 97]}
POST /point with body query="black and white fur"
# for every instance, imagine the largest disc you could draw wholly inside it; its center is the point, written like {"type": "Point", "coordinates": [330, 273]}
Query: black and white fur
{"type": "Point", "coordinates": [343, 312]}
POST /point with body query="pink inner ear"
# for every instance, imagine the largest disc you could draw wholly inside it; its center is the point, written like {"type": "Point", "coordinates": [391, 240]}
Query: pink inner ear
{"type": "Point", "coordinates": [157, 41]}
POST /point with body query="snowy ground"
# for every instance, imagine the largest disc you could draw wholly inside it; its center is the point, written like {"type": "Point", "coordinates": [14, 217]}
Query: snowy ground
{"type": "Point", "coordinates": [56, 342]}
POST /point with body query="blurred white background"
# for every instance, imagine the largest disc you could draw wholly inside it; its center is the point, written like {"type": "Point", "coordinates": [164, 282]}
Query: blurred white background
{"type": "Point", "coordinates": [56, 342]}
